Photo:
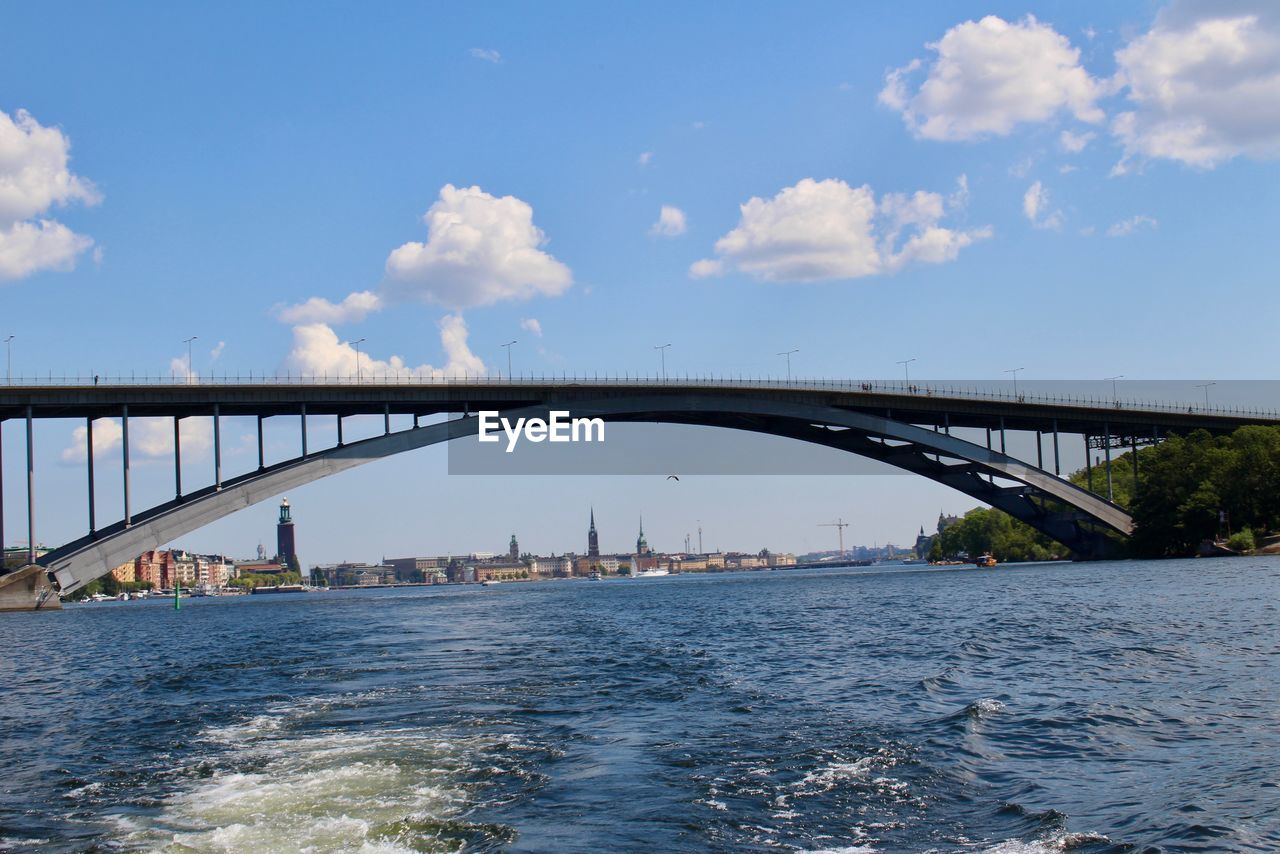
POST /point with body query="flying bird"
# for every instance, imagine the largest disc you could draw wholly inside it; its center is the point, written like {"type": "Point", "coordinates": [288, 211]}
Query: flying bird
{"type": "Point", "coordinates": [673, 477]}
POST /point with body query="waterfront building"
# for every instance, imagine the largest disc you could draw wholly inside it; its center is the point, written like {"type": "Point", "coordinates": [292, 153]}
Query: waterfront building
{"type": "Point", "coordinates": [500, 570]}
{"type": "Point", "coordinates": [593, 539]}
{"type": "Point", "coordinates": [126, 573]}
{"type": "Point", "coordinates": [156, 568]}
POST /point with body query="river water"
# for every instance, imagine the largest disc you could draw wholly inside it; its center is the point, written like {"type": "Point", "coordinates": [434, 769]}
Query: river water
{"type": "Point", "coordinates": [1051, 707]}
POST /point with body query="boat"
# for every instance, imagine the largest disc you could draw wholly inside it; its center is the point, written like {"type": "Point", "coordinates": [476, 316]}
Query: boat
{"type": "Point", "coordinates": [594, 576]}
{"type": "Point", "coordinates": [652, 573]}
{"type": "Point", "coordinates": [491, 582]}
{"type": "Point", "coordinates": [984, 561]}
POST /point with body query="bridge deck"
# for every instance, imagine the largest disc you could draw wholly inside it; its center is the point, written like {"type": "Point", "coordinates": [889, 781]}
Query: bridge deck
{"type": "Point", "coordinates": [935, 406]}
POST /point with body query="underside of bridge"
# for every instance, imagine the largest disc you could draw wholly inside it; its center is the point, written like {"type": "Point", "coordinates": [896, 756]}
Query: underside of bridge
{"type": "Point", "coordinates": [1086, 524]}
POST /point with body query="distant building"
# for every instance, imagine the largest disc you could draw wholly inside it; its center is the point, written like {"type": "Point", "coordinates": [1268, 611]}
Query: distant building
{"type": "Point", "coordinates": [642, 545]}
{"type": "Point", "coordinates": [126, 572]}
{"type": "Point", "coordinates": [513, 549]}
{"type": "Point", "coordinates": [286, 544]}
{"type": "Point", "coordinates": [499, 570]}
{"type": "Point", "coordinates": [593, 539]}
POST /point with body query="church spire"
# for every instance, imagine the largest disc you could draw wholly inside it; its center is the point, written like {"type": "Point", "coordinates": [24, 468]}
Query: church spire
{"type": "Point", "coordinates": [593, 539]}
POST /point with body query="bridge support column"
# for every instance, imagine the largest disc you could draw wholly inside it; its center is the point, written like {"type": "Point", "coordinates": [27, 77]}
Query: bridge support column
{"type": "Point", "coordinates": [1002, 449]}
{"type": "Point", "coordinates": [340, 442]}
{"type": "Point", "coordinates": [1039, 450]}
{"type": "Point", "coordinates": [124, 448]}
{"type": "Point", "coordinates": [217, 447]}
{"type": "Point", "coordinates": [31, 492]}
{"type": "Point", "coordinates": [88, 438]}
{"type": "Point", "coordinates": [1107, 451]}
{"type": "Point", "coordinates": [261, 465]}
{"type": "Point", "coordinates": [2, 496]}
{"type": "Point", "coordinates": [1056, 470]}
{"type": "Point", "coordinates": [1088, 461]}
{"type": "Point", "coordinates": [304, 429]}
{"type": "Point", "coordinates": [177, 459]}
{"type": "Point", "coordinates": [1133, 449]}
{"type": "Point", "coordinates": [386, 419]}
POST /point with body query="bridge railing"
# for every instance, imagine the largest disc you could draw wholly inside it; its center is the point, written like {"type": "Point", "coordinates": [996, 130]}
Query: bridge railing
{"type": "Point", "coordinates": [626, 380]}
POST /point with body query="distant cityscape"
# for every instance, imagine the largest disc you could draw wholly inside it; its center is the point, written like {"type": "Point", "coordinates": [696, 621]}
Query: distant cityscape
{"type": "Point", "coordinates": [163, 569]}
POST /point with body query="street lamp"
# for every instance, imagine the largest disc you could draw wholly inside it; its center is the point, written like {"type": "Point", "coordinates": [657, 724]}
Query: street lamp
{"type": "Point", "coordinates": [1014, 371]}
{"type": "Point", "coordinates": [1114, 397]}
{"type": "Point", "coordinates": [788, 355]}
{"type": "Point", "coordinates": [662, 348]}
{"type": "Point", "coordinates": [508, 346]}
{"type": "Point", "coordinates": [8, 360]}
{"type": "Point", "coordinates": [906, 369]}
{"type": "Point", "coordinates": [357, 344]}
{"type": "Point", "coordinates": [190, 373]}
{"type": "Point", "coordinates": [1205, 386]}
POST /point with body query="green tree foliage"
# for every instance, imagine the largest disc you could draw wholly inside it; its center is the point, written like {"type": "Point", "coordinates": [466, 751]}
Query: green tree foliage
{"type": "Point", "coordinates": [1185, 482]}
{"type": "Point", "coordinates": [987, 530]}
{"type": "Point", "coordinates": [251, 579]}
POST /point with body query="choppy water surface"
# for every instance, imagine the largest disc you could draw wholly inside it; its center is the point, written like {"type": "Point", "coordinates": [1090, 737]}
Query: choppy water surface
{"type": "Point", "coordinates": [1085, 707]}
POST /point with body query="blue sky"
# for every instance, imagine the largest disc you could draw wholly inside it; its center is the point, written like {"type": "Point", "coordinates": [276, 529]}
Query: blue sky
{"type": "Point", "coordinates": [240, 160]}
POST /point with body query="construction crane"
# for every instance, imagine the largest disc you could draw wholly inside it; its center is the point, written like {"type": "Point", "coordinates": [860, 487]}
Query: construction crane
{"type": "Point", "coordinates": [839, 525]}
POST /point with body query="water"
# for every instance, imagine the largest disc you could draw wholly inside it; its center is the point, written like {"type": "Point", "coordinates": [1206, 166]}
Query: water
{"type": "Point", "coordinates": [1086, 707]}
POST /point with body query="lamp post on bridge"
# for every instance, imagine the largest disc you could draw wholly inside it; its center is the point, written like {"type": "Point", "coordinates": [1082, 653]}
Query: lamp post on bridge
{"type": "Point", "coordinates": [1014, 371]}
{"type": "Point", "coordinates": [508, 346]}
{"type": "Point", "coordinates": [906, 369]}
{"type": "Point", "coordinates": [788, 355]}
{"type": "Point", "coordinates": [1205, 386]}
{"type": "Point", "coordinates": [8, 360]}
{"type": "Point", "coordinates": [662, 348]}
{"type": "Point", "coordinates": [1115, 398]}
{"type": "Point", "coordinates": [357, 344]}
{"type": "Point", "coordinates": [190, 370]}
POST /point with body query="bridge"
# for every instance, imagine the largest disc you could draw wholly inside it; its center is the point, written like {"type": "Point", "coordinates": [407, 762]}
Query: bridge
{"type": "Point", "coordinates": [914, 428]}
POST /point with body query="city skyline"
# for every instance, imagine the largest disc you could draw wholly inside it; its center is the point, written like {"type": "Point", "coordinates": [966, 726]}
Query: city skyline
{"type": "Point", "coordinates": [626, 219]}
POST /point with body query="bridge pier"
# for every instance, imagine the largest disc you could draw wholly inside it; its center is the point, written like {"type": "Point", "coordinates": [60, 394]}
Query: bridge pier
{"type": "Point", "coordinates": [88, 456]}
{"type": "Point", "coordinates": [28, 589]}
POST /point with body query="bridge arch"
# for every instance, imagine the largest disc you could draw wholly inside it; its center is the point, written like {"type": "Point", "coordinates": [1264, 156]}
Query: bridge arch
{"type": "Point", "coordinates": [1063, 511]}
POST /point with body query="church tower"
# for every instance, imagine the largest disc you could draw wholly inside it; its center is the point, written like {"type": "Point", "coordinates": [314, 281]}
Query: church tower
{"type": "Point", "coordinates": [514, 548]}
{"type": "Point", "coordinates": [642, 545]}
{"type": "Point", "coordinates": [593, 539]}
{"type": "Point", "coordinates": [286, 545]}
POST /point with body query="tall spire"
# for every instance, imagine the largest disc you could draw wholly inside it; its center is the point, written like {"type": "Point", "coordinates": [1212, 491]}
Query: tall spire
{"type": "Point", "coordinates": [593, 540]}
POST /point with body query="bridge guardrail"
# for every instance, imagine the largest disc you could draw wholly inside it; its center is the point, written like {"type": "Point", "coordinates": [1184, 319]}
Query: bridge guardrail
{"type": "Point", "coordinates": [710, 381]}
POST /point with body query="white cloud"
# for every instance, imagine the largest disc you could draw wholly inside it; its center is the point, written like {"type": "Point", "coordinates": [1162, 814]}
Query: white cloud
{"type": "Point", "coordinates": [149, 438]}
{"type": "Point", "coordinates": [819, 230]}
{"type": "Point", "coordinates": [670, 222]}
{"type": "Point", "coordinates": [1205, 85]}
{"type": "Point", "coordinates": [480, 250]}
{"type": "Point", "coordinates": [28, 247]}
{"type": "Point", "coordinates": [355, 307]}
{"type": "Point", "coordinates": [1129, 226]}
{"type": "Point", "coordinates": [217, 350]}
{"type": "Point", "coordinates": [1035, 206]}
{"type": "Point", "coordinates": [1074, 143]}
{"type": "Point", "coordinates": [990, 76]}
{"type": "Point", "coordinates": [317, 351]}
{"type": "Point", "coordinates": [645, 158]}
{"type": "Point", "coordinates": [486, 54]}
{"type": "Point", "coordinates": [532, 325]}
{"type": "Point", "coordinates": [33, 178]}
